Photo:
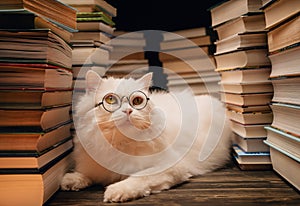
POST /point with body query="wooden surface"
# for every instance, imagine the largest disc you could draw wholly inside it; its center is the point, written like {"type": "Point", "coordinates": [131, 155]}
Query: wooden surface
{"type": "Point", "coordinates": [229, 186]}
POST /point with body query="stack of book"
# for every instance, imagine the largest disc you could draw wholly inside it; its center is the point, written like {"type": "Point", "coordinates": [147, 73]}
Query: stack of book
{"type": "Point", "coordinates": [186, 56]}
{"type": "Point", "coordinates": [96, 28]}
{"type": "Point", "coordinates": [36, 96]}
{"type": "Point", "coordinates": [128, 55]}
{"type": "Point", "coordinates": [283, 25]}
{"type": "Point", "coordinates": [241, 59]}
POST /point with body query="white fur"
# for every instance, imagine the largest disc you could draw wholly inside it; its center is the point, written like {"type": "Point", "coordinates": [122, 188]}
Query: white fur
{"type": "Point", "coordinates": [202, 146]}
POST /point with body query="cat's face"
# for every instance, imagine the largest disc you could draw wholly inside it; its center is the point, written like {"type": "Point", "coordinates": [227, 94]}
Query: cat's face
{"type": "Point", "coordinates": [121, 102]}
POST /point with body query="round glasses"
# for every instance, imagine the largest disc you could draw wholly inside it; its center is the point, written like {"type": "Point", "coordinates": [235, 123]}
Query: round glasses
{"type": "Point", "coordinates": [111, 102]}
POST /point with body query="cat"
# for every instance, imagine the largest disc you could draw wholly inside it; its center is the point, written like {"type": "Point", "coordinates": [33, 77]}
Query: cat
{"type": "Point", "coordinates": [137, 143]}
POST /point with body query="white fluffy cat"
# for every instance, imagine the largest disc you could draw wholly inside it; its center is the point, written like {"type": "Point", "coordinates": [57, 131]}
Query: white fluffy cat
{"type": "Point", "coordinates": [137, 143]}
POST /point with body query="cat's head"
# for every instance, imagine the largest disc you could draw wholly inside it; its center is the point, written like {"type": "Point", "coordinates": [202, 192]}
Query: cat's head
{"type": "Point", "coordinates": [120, 101]}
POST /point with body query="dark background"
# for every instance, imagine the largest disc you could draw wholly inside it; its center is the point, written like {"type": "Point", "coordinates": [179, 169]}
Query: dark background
{"type": "Point", "coordinates": [166, 15]}
{"type": "Point", "coordinates": [163, 15]}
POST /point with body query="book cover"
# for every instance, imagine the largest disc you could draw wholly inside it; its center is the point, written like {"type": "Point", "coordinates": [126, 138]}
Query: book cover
{"type": "Point", "coordinates": [36, 188]}
{"type": "Point", "coordinates": [285, 165]}
{"type": "Point", "coordinates": [32, 142]}
{"type": "Point", "coordinates": [33, 120]}
{"type": "Point", "coordinates": [33, 162]}
{"type": "Point", "coordinates": [251, 157]}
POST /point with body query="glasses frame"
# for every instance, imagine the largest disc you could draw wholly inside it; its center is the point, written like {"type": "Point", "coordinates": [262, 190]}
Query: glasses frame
{"type": "Point", "coordinates": [121, 101]}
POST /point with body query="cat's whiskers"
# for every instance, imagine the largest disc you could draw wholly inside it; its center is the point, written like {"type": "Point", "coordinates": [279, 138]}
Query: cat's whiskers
{"type": "Point", "coordinates": [111, 120]}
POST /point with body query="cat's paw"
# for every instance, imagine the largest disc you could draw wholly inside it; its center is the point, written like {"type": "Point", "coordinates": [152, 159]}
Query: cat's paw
{"type": "Point", "coordinates": [74, 181]}
{"type": "Point", "coordinates": [122, 192]}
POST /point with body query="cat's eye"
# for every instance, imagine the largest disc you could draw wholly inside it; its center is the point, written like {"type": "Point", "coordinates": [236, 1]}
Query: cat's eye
{"type": "Point", "coordinates": [111, 99]}
{"type": "Point", "coordinates": [137, 101]}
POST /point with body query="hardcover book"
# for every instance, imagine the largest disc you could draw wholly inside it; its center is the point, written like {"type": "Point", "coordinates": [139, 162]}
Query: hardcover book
{"type": "Point", "coordinates": [34, 76]}
{"type": "Point", "coordinates": [285, 62]}
{"type": "Point", "coordinates": [278, 11]}
{"type": "Point", "coordinates": [240, 25]}
{"type": "Point", "coordinates": [251, 58]}
{"type": "Point", "coordinates": [34, 120]}
{"type": "Point", "coordinates": [50, 9]}
{"type": "Point", "coordinates": [34, 46]}
{"type": "Point", "coordinates": [286, 117]}
{"type": "Point", "coordinates": [284, 35]}
{"type": "Point", "coordinates": [36, 188]}
{"type": "Point", "coordinates": [232, 9]}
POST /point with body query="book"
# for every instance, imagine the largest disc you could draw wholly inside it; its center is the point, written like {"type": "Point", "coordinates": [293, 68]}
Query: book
{"type": "Point", "coordinates": [199, 85]}
{"type": "Point", "coordinates": [247, 88]}
{"type": "Point", "coordinates": [25, 20]}
{"type": "Point", "coordinates": [128, 54]}
{"type": "Point", "coordinates": [36, 188]}
{"type": "Point", "coordinates": [286, 90]}
{"type": "Point", "coordinates": [49, 9]}
{"type": "Point", "coordinates": [278, 11]}
{"type": "Point", "coordinates": [125, 67]}
{"type": "Point", "coordinates": [91, 35]}
{"type": "Point", "coordinates": [79, 71]}
{"type": "Point", "coordinates": [190, 52]}
{"type": "Point", "coordinates": [92, 5]}
{"type": "Point", "coordinates": [288, 59]}
{"type": "Point", "coordinates": [189, 65]}
{"type": "Point", "coordinates": [251, 160]}
{"type": "Point", "coordinates": [34, 120]}
{"type": "Point", "coordinates": [184, 43]}
{"type": "Point", "coordinates": [34, 98]}
{"type": "Point", "coordinates": [284, 35]}
{"type": "Point", "coordinates": [245, 75]}
{"type": "Point", "coordinates": [251, 157]}
{"type": "Point", "coordinates": [232, 9]}
{"type": "Point", "coordinates": [249, 131]}
{"type": "Point", "coordinates": [95, 26]}
{"type": "Point", "coordinates": [255, 144]}
{"type": "Point", "coordinates": [185, 33]}
{"type": "Point", "coordinates": [128, 40]}
{"type": "Point", "coordinates": [240, 25]}
{"type": "Point", "coordinates": [95, 17]}
{"type": "Point", "coordinates": [250, 117]}
{"type": "Point", "coordinates": [90, 55]}
{"type": "Point", "coordinates": [34, 76]}
{"type": "Point", "coordinates": [34, 46]}
{"type": "Point", "coordinates": [251, 58]}
{"type": "Point", "coordinates": [11, 162]}
{"type": "Point", "coordinates": [259, 108]}
{"type": "Point", "coordinates": [247, 99]}
{"type": "Point", "coordinates": [286, 117]}
{"type": "Point", "coordinates": [253, 166]}
{"type": "Point", "coordinates": [241, 41]}
{"type": "Point", "coordinates": [286, 165]}
{"type": "Point", "coordinates": [33, 141]}
{"type": "Point", "coordinates": [283, 140]}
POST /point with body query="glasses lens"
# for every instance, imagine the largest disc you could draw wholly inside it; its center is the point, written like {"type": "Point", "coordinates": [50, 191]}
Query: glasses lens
{"type": "Point", "coordinates": [111, 102]}
{"type": "Point", "coordinates": [138, 100]}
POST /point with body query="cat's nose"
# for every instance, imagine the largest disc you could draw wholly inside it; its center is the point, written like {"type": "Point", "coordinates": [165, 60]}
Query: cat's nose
{"type": "Point", "coordinates": [127, 111]}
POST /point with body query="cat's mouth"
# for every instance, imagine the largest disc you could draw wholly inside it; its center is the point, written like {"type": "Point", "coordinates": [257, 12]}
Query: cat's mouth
{"type": "Point", "coordinates": [138, 121]}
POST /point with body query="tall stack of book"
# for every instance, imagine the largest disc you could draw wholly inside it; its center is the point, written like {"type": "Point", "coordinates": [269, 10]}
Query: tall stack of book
{"type": "Point", "coordinates": [128, 55]}
{"type": "Point", "coordinates": [186, 56]}
{"type": "Point", "coordinates": [283, 25]}
{"type": "Point", "coordinates": [241, 58]}
{"type": "Point", "coordinates": [36, 96]}
{"type": "Point", "coordinates": [90, 51]}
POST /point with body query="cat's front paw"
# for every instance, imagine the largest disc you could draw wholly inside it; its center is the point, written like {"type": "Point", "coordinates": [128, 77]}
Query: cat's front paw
{"type": "Point", "coordinates": [122, 192]}
{"type": "Point", "coordinates": [74, 181]}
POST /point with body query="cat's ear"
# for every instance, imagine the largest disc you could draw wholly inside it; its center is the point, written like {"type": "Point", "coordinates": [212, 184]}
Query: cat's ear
{"type": "Point", "coordinates": [146, 80]}
{"type": "Point", "coordinates": [93, 80]}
